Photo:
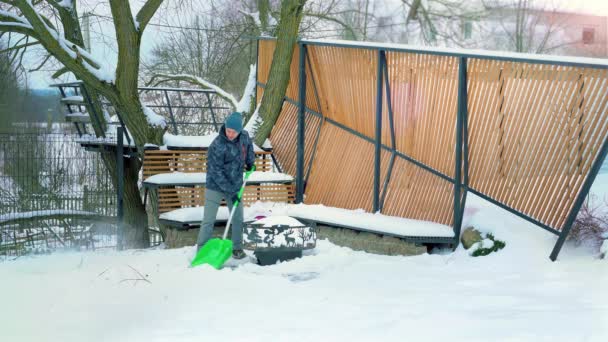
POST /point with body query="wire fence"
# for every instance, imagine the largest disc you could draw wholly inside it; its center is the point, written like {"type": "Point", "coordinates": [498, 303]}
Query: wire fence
{"type": "Point", "coordinates": [53, 194]}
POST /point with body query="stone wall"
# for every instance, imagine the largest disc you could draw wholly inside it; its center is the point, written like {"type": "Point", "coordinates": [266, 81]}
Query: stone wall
{"type": "Point", "coordinates": [359, 241]}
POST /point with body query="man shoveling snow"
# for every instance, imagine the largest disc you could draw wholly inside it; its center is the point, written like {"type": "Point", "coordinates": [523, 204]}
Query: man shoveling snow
{"type": "Point", "coordinates": [229, 153]}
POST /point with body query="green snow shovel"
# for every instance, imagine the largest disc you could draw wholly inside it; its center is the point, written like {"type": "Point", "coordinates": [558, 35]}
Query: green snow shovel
{"type": "Point", "coordinates": [216, 251]}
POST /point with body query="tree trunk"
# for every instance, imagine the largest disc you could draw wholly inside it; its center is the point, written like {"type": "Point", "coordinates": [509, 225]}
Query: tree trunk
{"type": "Point", "coordinates": [135, 228]}
{"type": "Point", "coordinates": [278, 79]}
{"type": "Point", "coordinates": [135, 217]}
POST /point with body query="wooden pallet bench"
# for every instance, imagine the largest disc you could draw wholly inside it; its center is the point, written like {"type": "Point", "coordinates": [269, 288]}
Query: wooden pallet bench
{"type": "Point", "coordinates": [178, 177]}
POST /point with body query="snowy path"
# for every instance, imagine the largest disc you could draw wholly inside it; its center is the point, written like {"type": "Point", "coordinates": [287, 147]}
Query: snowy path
{"type": "Point", "coordinates": [332, 294]}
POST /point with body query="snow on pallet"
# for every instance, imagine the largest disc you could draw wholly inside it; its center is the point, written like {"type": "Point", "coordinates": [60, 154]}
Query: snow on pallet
{"type": "Point", "coordinates": [200, 142]}
{"type": "Point", "coordinates": [200, 178]}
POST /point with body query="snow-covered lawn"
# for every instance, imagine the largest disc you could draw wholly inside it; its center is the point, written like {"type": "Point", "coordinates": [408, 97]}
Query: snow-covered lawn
{"type": "Point", "coordinates": [331, 294]}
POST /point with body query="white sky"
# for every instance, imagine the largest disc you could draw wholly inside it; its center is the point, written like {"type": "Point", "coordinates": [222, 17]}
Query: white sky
{"type": "Point", "coordinates": [595, 7]}
{"type": "Point", "coordinates": [102, 31]}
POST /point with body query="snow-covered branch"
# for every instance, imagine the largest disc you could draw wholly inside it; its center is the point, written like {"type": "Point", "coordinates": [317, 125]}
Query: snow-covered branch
{"type": "Point", "coordinates": [255, 16]}
{"type": "Point", "coordinates": [162, 78]}
{"type": "Point", "coordinates": [18, 47]}
{"type": "Point", "coordinates": [17, 28]}
{"type": "Point", "coordinates": [153, 118]}
{"type": "Point", "coordinates": [146, 13]}
{"type": "Point", "coordinates": [11, 22]}
{"type": "Point", "coordinates": [65, 4]}
{"type": "Point", "coordinates": [61, 4]}
{"type": "Point", "coordinates": [7, 16]}
{"type": "Point", "coordinates": [244, 104]}
{"type": "Point", "coordinates": [33, 24]}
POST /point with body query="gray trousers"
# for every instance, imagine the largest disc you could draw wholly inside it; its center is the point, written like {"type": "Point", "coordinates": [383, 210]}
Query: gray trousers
{"type": "Point", "coordinates": [212, 203]}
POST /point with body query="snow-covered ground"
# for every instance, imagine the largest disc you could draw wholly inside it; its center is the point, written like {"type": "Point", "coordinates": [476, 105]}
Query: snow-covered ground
{"type": "Point", "coordinates": [331, 294]}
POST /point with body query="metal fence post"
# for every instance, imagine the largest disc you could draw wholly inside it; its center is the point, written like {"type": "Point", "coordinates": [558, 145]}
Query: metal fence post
{"type": "Point", "coordinates": [391, 122]}
{"type": "Point", "coordinates": [171, 112]}
{"type": "Point", "coordinates": [378, 143]}
{"type": "Point", "coordinates": [301, 128]}
{"type": "Point", "coordinates": [119, 185]}
{"type": "Point", "coordinates": [595, 168]}
{"type": "Point", "coordinates": [460, 118]}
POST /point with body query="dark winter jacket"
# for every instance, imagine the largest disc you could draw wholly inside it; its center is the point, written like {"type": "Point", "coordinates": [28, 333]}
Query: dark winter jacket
{"type": "Point", "coordinates": [226, 161]}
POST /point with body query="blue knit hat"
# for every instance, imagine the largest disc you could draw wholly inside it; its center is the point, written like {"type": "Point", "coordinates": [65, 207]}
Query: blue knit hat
{"type": "Point", "coordinates": [234, 121]}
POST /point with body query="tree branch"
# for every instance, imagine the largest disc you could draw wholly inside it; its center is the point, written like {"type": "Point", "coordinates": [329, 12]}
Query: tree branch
{"type": "Point", "coordinates": [128, 40]}
{"type": "Point", "coordinates": [162, 78]}
{"type": "Point", "coordinates": [17, 47]}
{"type": "Point", "coordinates": [335, 20]}
{"type": "Point", "coordinates": [18, 28]}
{"type": "Point", "coordinates": [41, 64]}
{"type": "Point", "coordinates": [60, 72]}
{"type": "Point", "coordinates": [146, 13]}
{"type": "Point", "coordinates": [12, 17]}
{"type": "Point", "coordinates": [66, 52]}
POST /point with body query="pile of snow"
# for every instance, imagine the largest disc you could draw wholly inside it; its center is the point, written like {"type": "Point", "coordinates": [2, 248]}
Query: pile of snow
{"type": "Point", "coordinates": [279, 220]}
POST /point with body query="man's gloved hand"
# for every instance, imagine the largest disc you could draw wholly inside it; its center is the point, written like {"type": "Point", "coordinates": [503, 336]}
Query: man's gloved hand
{"type": "Point", "coordinates": [234, 197]}
{"type": "Point", "coordinates": [250, 167]}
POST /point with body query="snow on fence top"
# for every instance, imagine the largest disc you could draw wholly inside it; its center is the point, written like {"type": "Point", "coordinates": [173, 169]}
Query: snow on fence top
{"type": "Point", "coordinates": [474, 53]}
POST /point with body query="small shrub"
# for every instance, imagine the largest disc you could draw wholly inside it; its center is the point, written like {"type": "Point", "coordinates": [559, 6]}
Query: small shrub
{"type": "Point", "coordinates": [591, 225]}
{"type": "Point", "coordinates": [496, 246]}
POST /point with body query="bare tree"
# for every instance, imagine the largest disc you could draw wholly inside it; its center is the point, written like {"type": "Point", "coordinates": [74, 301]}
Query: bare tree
{"type": "Point", "coordinates": [216, 45]}
{"type": "Point", "coordinates": [261, 18]}
{"type": "Point", "coordinates": [54, 25]}
{"type": "Point", "coordinates": [522, 26]}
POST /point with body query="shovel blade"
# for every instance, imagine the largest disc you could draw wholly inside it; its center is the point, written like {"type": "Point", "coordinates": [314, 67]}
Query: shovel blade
{"type": "Point", "coordinates": [215, 253]}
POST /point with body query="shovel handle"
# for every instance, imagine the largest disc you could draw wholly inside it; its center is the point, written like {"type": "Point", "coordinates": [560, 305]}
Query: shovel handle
{"type": "Point", "coordinates": [236, 202]}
